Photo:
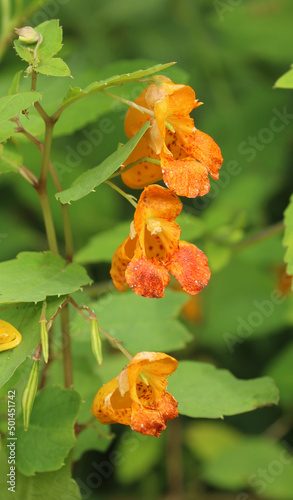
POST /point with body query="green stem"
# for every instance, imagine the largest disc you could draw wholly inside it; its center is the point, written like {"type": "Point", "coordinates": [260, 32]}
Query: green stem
{"type": "Point", "coordinates": [65, 217]}
{"type": "Point", "coordinates": [142, 109]}
{"type": "Point", "coordinates": [46, 154]}
{"type": "Point", "coordinates": [48, 219]}
{"type": "Point", "coordinates": [116, 342]}
{"type": "Point", "coordinates": [66, 348]}
{"type": "Point", "coordinates": [5, 14]}
{"type": "Point", "coordinates": [23, 171]}
{"type": "Point", "coordinates": [18, 7]}
{"type": "Point", "coordinates": [128, 197]}
{"type": "Point", "coordinates": [131, 104]}
{"type": "Point", "coordinates": [64, 208]}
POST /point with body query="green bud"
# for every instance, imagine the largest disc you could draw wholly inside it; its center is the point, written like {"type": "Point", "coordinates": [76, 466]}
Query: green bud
{"type": "Point", "coordinates": [45, 341]}
{"type": "Point", "coordinates": [29, 394]}
{"type": "Point", "coordinates": [27, 34]}
{"type": "Point", "coordinates": [96, 341]}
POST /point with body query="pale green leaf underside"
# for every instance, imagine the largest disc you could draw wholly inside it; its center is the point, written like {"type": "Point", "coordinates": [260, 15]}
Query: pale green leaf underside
{"type": "Point", "coordinates": [76, 93]}
{"type": "Point", "coordinates": [142, 324]}
{"type": "Point", "coordinates": [203, 391]}
{"type": "Point", "coordinates": [288, 237]}
{"type": "Point", "coordinates": [13, 104]}
{"type": "Point", "coordinates": [89, 180]}
{"type": "Point", "coordinates": [50, 436]}
{"type": "Point", "coordinates": [285, 81]}
{"type": "Point", "coordinates": [6, 130]}
{"type": "Point", "coordinates": [33, 276]}
{"type": "Point", "coordinates": [54, 67]}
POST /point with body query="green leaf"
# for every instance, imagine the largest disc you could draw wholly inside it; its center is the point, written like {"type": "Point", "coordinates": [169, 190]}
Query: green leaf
{"type": "Point", "coordinates": [288, 237]}
{"type": "Point", "coordinates": [142, 324]}
{"type": "Point", "coordinates": [39, 275]}
{"type": "Point", "coordinates": [254, 462]}
{"type": "Point", "coordinates": [6, 130]}
{"type": "Point", "coordinates": [25, 318]}
{"type": "Point", "coordinates": [50, 436]}
{"type": "Point", "coordinates": [257, 307]}
{"type": "Point", "coordinates": [285, 81]}
{"type": "Point", "coordinates": [101, 247]}
{"type": "Point", "coordinates": [52, 39]}
{"type": "Point", "coordinates": [13, 104]}
{"type": "Point", "coordinates": [97, 437]}
{"type": "Point", "coordinates": [89, 180]}
{"type": "Point", "coordinates": [48, 485]}
{"type": "Point", "coordinates": [54, 67]}
{"type": "Point", "coordinates": [10, 158]}
{"type": "Point", "coordinates": [14, 87]}
{"type": "Point", "coordinates": [25, 52]}
{"type": "Point", "coordinates": [50, 45]}
{"type": "Point", "coordinates": [280, 370]}
{"type": "Point", "coordinates": [206, 392]}
{"type": "Point", "coordinates": [86, 381]}
{"type": "Point", "coordinates": [76, 93]}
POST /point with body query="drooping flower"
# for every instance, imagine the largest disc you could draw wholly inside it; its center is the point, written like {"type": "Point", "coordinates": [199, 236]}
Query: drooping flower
{"type": "Point", "coordinates": [187, 155]}
{"type": "Point", "coordinates": [152, 249]}
{"type": "Point", "coordinates": [9, 336]}
{"type": "Point", "coordinates": [137, 396]}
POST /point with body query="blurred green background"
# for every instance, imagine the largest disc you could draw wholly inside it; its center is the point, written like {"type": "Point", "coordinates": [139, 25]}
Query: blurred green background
{"type": "Point", "coordinates": [231, 52]}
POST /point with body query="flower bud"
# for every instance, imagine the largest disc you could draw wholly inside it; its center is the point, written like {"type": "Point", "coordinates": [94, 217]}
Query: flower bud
{"type": "Point", "coordinates": [29, 394]}
{"type": "Point", "coordinates": [27, 34]}
{"type": "Point", "coordinates": [96, 341]}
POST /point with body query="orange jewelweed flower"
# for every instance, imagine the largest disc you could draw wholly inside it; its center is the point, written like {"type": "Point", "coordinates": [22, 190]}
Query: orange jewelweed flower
{"type": "Point", "coordinates": [9, 336]}
{"type": "Point", "coordinates": [187, 155]}
{"type": "Point", "coordinates": [141, 402]}
{"type": "Point", "coordinates": [152, 249]}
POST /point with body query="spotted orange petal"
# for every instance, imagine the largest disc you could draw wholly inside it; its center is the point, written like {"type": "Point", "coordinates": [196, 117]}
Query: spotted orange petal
{"type": "Point", "coordinates": [177, 104]}
{"type": "Point", "coordinates": [120, 261]}
{"type": "Point", "coordinates": [143, 173]}
{"type": "Point", "coordinates": [202, 147]}
{"type": "Point", "coordinates": [108, 407]}
{"type": "Point", "coordinates": [158, 203]}
{"type": "Point", "coordinates": [146, 278]}
{"type": "Point", "coordinates": [160, 245]}
{"type": "Point", "coordinates": [190, 267]}
{"type": "Point", "coordinates": [186, 177]}
{"type": "Point", "coordinates": [167, 406]}
{"type": "Point", "coordinates": [155, 366]}
{"type": "Point", "coordinates": [135, 119]}
{"type": "Point", "coordinates": [149, 422]}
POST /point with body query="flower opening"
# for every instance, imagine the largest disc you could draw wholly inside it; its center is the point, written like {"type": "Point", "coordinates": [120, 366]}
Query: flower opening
{"type": "Point", "coordinates": [153, 249]}
{"type": "Point", "coordinates": [187, 155]}
{"type": "Point", "coordinates": [128, 399]}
